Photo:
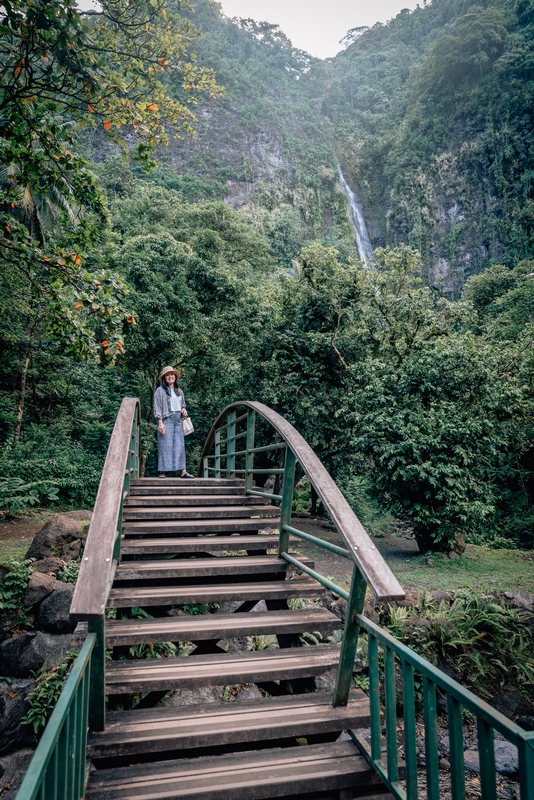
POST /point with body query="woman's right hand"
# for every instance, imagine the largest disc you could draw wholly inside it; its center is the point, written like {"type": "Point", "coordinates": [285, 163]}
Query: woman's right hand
{"type": "Point", "coordinates": [161, 428]}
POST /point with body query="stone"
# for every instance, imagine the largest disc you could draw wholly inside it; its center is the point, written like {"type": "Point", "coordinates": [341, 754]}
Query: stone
{"type": "Point", "coordinates": [40, 586]}
{"type": "Point", "coordinates": [439, 596]}
{"type": "Point", "coordinates": [458, 544]}
{"type": "Point", "coordinates": [190, 697]}
{"type": "Point", "coordinates": [8, 620]}
{"type": "Point", "coordinates": [413, 598]}
{"type": "Point", "coordinates": [53, 614]}
{"type": "Point", "coordinates": [237, 644]}
{"type": "Point", "coordinates": [453, 555]}
{"type": "Point", "coordinates": [81, 515]}
{"type": "Point", "coordinates": [13, 768]}
{"type": "Point", "coordinates": [327, 681]}
{"type": "Point", "coordinates": [61, 537]}
{"type": "Point", "coordinates": [508, 703]}
{"type": "Point", "coordinates": [24, 654]}
{"type": "Point", "coordinates": [506, 759]}
{"type": "Point", "coordinates": [444, 764]}
{"type": "Point", "coordinates": [526, 722]}
{"type": "Point", "coordinates": [428, 562]}
{"type": "Point", "coordinates": [14, 706]}
{"type": "Point", "coordinates": [249, 691]}
{"type": "Point", "coordinates": [339, 608]}
{"type": "Point", "coordinates": [521, 600]}
{"type": "Point", "coordinates": [49, 566]}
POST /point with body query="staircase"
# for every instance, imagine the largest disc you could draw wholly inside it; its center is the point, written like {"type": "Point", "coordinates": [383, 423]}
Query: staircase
{"type": "Point", "coordinates": [194, 543]}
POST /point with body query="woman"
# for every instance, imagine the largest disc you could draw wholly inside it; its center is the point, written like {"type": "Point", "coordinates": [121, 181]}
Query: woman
{"type": "Point", "coordinates": [169, 409]}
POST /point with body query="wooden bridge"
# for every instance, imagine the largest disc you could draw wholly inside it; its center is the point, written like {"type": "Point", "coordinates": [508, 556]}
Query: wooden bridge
{"type": "Point", "coordinates": [155, 546]}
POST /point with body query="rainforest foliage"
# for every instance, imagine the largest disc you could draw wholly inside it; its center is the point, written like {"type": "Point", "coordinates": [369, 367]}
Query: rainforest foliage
{"type": "Point", "coordinates": [417, 397]}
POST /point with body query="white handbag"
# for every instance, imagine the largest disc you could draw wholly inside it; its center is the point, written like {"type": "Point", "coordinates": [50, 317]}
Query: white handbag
{"type": "Point", "coordinates": [187, 426]}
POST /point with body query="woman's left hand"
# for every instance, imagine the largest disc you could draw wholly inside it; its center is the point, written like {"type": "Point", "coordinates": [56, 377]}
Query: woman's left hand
{"type": "Point", "coordinates": [184, 413]}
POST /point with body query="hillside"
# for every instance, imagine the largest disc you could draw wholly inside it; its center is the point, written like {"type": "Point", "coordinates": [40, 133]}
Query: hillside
{"type": "Point", "coordinates": [430, 115]}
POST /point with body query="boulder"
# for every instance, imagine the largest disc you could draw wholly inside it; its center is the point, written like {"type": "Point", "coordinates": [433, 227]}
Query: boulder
{"type": "Point", "coordinates": [53, 614]}
{"type": "Point", "coordinates": [506, 759]}
{"type": "Point", "coordinates": [248, 691]}
{"type": "Point", "coordinates": [13, 706]}
{"type": "Point", "coordinates": [439, 596]}
{"type": "Point", "coordinates": [40, 586]}
{"type": "Point", "coordinates": [22, 655]}
{"type": "Point", "coordinates": [49, 566]}
{"type": "Point", "coordinates": [82, 515]}
{"type": "Point", "coordinates": [61, 536]}
{"type": "Point", "coordinates": [190, 697]}
{"type": "Point", "coordinates": [327, 681]}
{"type": "Point", "coordinates": [13, 768]}
{"type": "Point", "coordinates": [8, 620]}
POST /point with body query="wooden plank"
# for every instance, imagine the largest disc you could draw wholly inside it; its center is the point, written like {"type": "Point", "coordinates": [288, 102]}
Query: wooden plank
{"type": "Point", "coordinates": [200, 512]}
{"type": "Point", "coordinates": [377, 574]}
{"type": "Point", "coordinates": [193, 500]}
{"type": "Point", "coordinates": [179, 595]}
{"type": "Point", "coordinates": [200, 544]}
{"type": "Point", "coordinates": [164, 674]}
{"type": "Point", "coordinates": [155, 730]}
{"type": "Point", "coordinates": [199, 567]}
{"type": "Point", "coordinates": [253, 775]}
{"type": "Point", "coordinates": [189, 481]}
{"type": "Point", "coordinates": [185, 489]}
{"type": "Point", "coordinates": [199, 627]}
{"type": "Point", "coordinates": [92, 586]}
{"type": "Point", "coordinates": [200, 526]}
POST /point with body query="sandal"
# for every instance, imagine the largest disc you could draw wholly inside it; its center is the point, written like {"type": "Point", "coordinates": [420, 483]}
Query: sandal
{"type": "Point", "coordinates": [162, 475]}
{"type": "Point", "coordinates": [186, 475]}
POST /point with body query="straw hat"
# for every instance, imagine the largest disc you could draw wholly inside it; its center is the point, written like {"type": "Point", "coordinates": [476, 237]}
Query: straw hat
{"type": "Point", "coordinates": [165, 370]}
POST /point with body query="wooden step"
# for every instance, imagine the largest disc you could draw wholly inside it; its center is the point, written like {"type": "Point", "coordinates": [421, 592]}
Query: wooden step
{"type": "Point", "coordinates": [189, 481]}
{"type": "Point", "coordinates": [198, 512]}
{"type": "Point", "coordinates": [184, 488]}
{"type": "Point", "coordinates": [158, 729]}
{"type": "Point", "coordinates": [201, 544]}
{"type": "Point", "coordinates": [202, 567]}
{"type": "Point", "coordinates": [225, 669]}
{"type": "Point", "coordinates": [252, 775]}
{"type": "Point", "coordinates": [199, 627]}
{"type": "Point", "coordinates": [180, 595]}
{"type": "Point", "coordinates": [193, 500]}
{"type": "Point", "coordinates": [187, 526]}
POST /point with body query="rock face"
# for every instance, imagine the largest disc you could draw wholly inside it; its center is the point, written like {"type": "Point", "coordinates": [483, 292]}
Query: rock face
{"type": "Point", "coordinates": [40, 586]}
{"type": "Point", "coordinates": [53, 614]}
{"type": "Point", "coordinates": [24, 654]}
{"type": "Point", "coordinates": [61, 537]}
{"type": "Point", "coordinates": [13, 706]}
{"type": "Point", "coordinates": [12, 770]}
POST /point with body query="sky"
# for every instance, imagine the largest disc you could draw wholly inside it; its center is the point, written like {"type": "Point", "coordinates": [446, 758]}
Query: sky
{"type": "Point", "coordinates": [315, 25]}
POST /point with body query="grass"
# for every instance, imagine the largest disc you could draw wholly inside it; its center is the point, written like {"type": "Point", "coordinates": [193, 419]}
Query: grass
{"type": "Point", "coordinates": [478, 568]}
{"type": "Point", "coordinates": [14, 548]}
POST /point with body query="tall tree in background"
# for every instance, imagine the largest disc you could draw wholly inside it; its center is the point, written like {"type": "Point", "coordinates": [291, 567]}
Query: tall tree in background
{"type": "Point", "coordinates": [62, 70]}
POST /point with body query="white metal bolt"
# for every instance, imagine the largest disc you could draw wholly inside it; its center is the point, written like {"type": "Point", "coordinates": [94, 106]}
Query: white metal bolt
{"type": "Point", "coordinates": [86, 558]}
{"type": "Point", "coordinates": [107, 559]}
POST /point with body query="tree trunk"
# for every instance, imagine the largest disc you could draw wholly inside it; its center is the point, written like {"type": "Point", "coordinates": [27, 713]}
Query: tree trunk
{"type": "Point", "coordinates": [22, 396]}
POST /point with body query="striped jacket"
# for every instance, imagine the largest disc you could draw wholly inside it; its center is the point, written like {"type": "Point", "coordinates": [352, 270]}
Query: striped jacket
{"type": "Point", "coordinates": [162, 402]}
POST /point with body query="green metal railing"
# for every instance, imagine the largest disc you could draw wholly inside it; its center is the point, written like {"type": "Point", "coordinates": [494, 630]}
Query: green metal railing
{"type": "Point", "coordinates": [58, 768]}
{"type": "Point", "coordinates": [369, 567]}
{"type": "Point", "coordinates": [385, 650]}
{"type": "Point", "coordinates": [388, 658]}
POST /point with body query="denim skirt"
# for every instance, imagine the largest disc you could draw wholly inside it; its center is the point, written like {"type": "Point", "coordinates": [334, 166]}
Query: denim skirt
{"type": "Point", "coordinates": [171, 445]}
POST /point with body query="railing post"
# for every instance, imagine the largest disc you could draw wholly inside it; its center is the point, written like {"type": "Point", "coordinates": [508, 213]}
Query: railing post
{"type": "Point", "coordinates": [205, 470]}
{"type": "Point", "coordinates": [350, 639]}
{"type": "Point", "coordinates": [230, 443]}
{"type": "Point", "coordinates": [97, 690]}
{"type": "Point", "coordinates": [287, 499]}
{"type": "Point", "coordinates": [249, 459]}
{"type": "Point", "coordinates": [526, 766]}
{"type": "Point", "coordinates": [217, 453]}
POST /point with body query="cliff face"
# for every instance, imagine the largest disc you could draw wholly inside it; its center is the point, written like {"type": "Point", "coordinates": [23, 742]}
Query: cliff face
{"type": "Point", "coordinates": [430, 115]}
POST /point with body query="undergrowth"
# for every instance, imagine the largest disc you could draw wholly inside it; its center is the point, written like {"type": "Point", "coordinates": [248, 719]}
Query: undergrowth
{"type": "Point", "coordinates": [487, 644]}
{"type": "Point", "coordinates": [13, 588]}
{"type": "Point", "coordinates": [49, 683]}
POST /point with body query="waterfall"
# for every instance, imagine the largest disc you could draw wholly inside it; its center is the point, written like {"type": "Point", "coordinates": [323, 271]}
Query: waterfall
{"type": "Point", "coordinates": [365, 249]}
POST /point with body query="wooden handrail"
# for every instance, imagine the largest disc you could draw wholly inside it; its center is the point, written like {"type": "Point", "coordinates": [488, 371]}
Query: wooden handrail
{"type": "Point", "coordinates": [99, 555]}
{"type": "Point", "coordinates": [374, 569]}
